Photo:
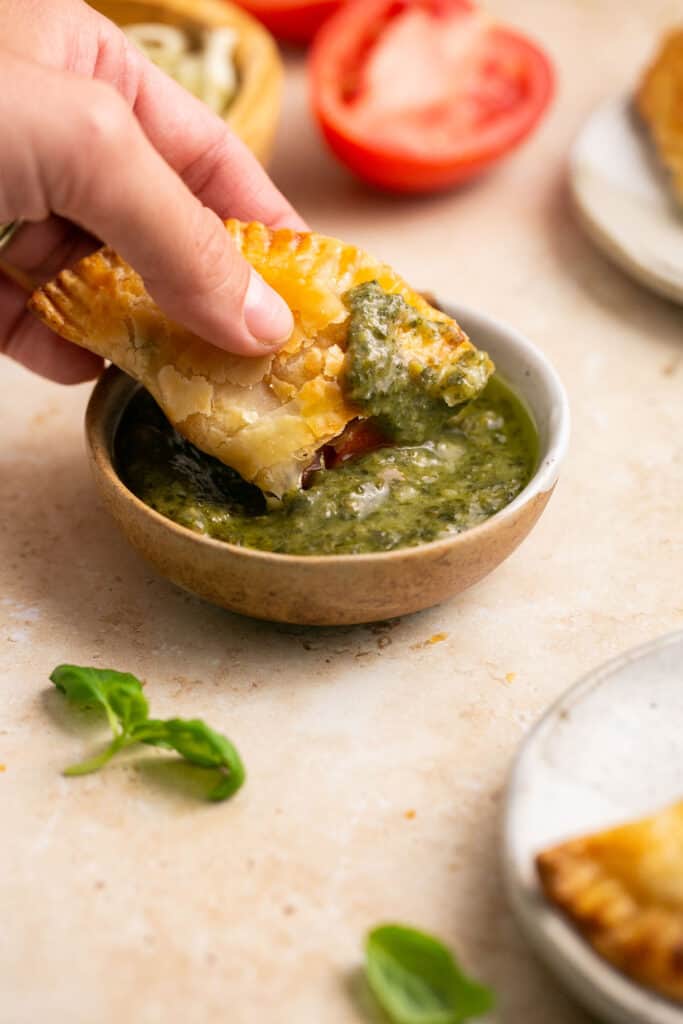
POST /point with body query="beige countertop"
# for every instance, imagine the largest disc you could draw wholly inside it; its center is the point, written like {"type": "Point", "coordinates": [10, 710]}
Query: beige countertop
{"type": "Point", "coordinates": [376, 762]}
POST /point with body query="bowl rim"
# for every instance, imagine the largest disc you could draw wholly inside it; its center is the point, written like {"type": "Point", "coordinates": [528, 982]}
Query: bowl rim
{"type": "Point", "coordinates": [543, 479]}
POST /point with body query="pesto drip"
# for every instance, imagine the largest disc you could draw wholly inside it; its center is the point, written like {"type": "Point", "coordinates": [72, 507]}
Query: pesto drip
{"type": "Point", "coordinates": [412, 401]}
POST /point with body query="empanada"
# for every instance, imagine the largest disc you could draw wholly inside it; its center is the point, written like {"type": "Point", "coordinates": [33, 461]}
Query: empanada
{"type": "Point", "coordinates": [659, 101]}
{"type": "Point", "coordinates": [265, 417]}
{"type": "Point", "coordinates": [623, 888]}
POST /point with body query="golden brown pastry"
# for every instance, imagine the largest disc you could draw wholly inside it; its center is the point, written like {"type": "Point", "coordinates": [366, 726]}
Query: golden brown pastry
{"type": "Point", "coordinates": [265, 417]}
{"type": "Point", "coordinates": [623, 888]}
{"type": "Point", "coordinates": [659, 101]}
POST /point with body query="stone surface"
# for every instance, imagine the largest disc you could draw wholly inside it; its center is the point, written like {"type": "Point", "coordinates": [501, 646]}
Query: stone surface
{"type": "Point", "coordinates": [376, 760]}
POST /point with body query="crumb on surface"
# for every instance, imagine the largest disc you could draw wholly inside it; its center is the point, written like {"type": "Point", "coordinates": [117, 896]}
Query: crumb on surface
{"type": "Point", "coordinates": [510, 677]}
{"type": "Point", "coordinates": [409, 815]}
{"type": "Point", "coordinates": [435, 638]}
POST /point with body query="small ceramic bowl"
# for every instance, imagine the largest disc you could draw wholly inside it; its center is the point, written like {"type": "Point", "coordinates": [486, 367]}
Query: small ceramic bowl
{"type": "Point", "coordinates": [342, 589]}
{"type": "Point", "coordinates": [254, 112]}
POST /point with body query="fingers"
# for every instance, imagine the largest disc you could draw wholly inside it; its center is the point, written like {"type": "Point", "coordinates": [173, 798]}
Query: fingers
{"type": "Point", "coordinates": [37, 253]}
{"type": "Point", "coordinates": [217, 166]}
{"type": "Point", "coordinates": [178, 245]}
{"type": "Point", "coordinates": [37, 348]}
{"type": "Point", "coordinates": [97, 168]}
{"type": "Point", "coordinates": [214, 163]}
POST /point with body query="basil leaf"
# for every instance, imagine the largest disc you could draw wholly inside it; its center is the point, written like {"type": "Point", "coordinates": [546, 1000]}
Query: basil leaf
{"type": "Point", "coordinates": [199, 744]}
{"type": "Point", "coordinates": [119, 693]}
{"type": "Point", "coordinates": [416, 980]}
{"type": "Point", "coordinates": [93, 764]}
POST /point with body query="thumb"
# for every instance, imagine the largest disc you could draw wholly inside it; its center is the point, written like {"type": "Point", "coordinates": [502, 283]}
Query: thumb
{"type": "Point", "coordinates": [214, 291]}
{"type": "Point", "coordinates": [109, 179]}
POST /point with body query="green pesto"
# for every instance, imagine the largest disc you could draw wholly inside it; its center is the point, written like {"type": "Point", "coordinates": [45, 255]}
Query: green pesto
{"type": "Point", "coordinates": [410, 406]}
{"type": "Point", "coordinates": [386, 499]}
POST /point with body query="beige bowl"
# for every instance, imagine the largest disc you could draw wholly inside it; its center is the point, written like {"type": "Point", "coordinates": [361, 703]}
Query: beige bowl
{"type": "Point", "coordinates": [342, 589]}
{"type": "Point", "coordinates": [254, 112]}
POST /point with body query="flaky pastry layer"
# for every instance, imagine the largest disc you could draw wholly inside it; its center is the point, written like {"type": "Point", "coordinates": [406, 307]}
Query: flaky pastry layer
{"type": "Point", "coordinates": [266, 417]}
{"type": "Point", "coordinates": [623, 888]}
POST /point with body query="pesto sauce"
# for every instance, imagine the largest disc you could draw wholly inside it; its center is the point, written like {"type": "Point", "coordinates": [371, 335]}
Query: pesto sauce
{"type": "Point", "coordinates": [386, 499]}
{"type": "Point", "coordinates": [411, 403]}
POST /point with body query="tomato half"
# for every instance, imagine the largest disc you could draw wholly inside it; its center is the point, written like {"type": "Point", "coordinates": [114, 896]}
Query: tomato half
{"type": "Point", "coordinates": [295, 21]}
{"type": "Point", "coordinates": [359, 437]}
{"type": "Point", "coordinates": [419, 95]}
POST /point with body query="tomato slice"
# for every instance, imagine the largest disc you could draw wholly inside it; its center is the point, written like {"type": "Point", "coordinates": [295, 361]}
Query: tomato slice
{"type": "Point", "coordinates": [418, 95]}
{"type": "Point", "coordinates": [359, 437]}
{"type": "Point", "coordinates": [295, 21]}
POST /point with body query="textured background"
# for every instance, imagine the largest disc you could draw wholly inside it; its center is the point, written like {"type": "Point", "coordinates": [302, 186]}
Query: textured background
{"type": "Point", "coordinates": [376, 762]}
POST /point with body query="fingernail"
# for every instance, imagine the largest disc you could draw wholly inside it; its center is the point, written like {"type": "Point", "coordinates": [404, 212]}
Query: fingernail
{"type": "Point", "coordinates": [266, 314]}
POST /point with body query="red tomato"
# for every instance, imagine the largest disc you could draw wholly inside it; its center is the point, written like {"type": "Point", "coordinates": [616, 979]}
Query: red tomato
{"type": "Point", "coordinates": [295, 21]}
{"type": "Point", "coordinates": [418, 95]}
{"type": "Point", "coordinates": [359, 437]}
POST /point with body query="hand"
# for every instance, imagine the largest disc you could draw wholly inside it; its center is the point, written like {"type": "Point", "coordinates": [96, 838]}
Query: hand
{"type": "Point", "coordinates": [99, 142]}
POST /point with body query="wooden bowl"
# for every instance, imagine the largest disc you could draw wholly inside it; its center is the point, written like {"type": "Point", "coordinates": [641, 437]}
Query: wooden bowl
{"type": "Point", "coordinates": [254, 112]}
{"type": "Point", "coordinates": [341, 589]}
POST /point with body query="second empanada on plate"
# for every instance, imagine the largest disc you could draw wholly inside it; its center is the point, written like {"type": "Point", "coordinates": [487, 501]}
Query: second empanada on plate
{"type": "Point", "coordinates": [265, 417]}
{"type": "Point", "coordinates": [624, 889]}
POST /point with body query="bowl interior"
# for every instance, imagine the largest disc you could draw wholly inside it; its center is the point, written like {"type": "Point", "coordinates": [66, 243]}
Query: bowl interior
{"type": "Point", "coordinates": [522, 366]}
{"type": "Point", "coordinates": [347, 588]}
{"type": "Point", "coordinates": [533, 378]}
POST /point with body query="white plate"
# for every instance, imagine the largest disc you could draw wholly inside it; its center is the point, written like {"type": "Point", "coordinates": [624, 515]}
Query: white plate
{"type": "Point", "coordinates": [623, 200]}
{"type": "Point", "coordinates": [609, 750]}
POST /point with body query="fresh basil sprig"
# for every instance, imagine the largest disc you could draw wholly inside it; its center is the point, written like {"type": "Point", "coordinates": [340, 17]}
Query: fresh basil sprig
{"type": "Point", "coordinates": [120, 695]}
{"type": "Point", "coordinates": [416, 979]}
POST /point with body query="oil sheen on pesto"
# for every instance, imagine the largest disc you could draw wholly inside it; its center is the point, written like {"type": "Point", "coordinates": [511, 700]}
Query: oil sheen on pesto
{"type": "Point", "coordinates": [410, 405]}
{"type": "Point", "coordinates": [390, 498]}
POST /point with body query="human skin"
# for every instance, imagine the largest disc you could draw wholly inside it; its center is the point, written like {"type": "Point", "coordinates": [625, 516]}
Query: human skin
{"type": "Point", "coordinates": [100, 144]}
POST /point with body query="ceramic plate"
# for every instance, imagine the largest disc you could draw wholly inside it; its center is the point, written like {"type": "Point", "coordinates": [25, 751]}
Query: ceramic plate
{"type": "Point", "coordinates": [623, 199]}
{"type": "Point", "coordinates": [609, 750]}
